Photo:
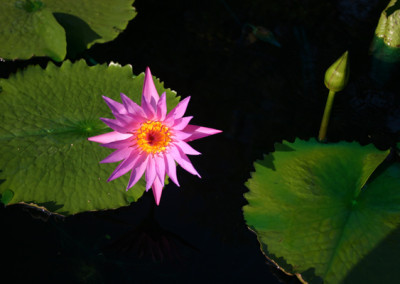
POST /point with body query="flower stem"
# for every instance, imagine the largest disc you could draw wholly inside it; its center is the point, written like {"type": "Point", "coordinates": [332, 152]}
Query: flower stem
{"type": "Point", "coordinates": [325, 119]}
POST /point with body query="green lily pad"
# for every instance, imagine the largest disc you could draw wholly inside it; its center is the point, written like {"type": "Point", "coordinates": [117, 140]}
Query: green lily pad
{"type": "Point", "coordinates": [87, 22]}
{"type": "Point", "coordinates": [29, 32]}
{"type": "Point", "coordinates": [43, 27]}
{"type": "Point", "coordinates": [322, 210]}
{"type": "Point", "coordinates": [47, 116]}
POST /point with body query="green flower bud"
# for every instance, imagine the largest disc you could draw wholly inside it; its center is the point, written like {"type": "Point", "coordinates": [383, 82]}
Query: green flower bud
{"type": "Point", "coordinates": [337, 76]}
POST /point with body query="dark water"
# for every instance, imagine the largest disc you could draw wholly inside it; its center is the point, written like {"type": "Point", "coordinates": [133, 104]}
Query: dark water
{"type": "Point", "coordinates": [258, 93]}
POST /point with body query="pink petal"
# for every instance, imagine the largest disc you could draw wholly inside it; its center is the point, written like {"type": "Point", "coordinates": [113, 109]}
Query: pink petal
{"type": "Point", "coordinates": [160, 168]}
{"type": "Point", "coordinates": [123, 119]}
{"type": "Point", "coordinates": [120, 144]}
{"type": "Point", "coordinates": [149, 95]}
{"type": "Point", "coordinates": [117, 155]}
{"type": "Point", "coordinates": [150, 172]}
{"type": "Point", "coordinates": [183, 160]}
{"type": "Point", "coordinates": [114, 124]}
{"type": "Point", "coordinates": [157, 190]}
{"type": "Point", "coordinates": [138, 171]}
{"type": "Point", "coordinates": [181, 123]}
{"type": "Point", "coordinates": [178, 111]}
{"type": "Point", "coordinates": [125, 166]}
{"type": "Point", "coordinates": [171, 168]}
{"type": "Point", "coordinates": [149, 89]}
{"type": "Point", "coordinates": [186, 148]}
{"type": "Point", "coordinates": [148, 110]}
{"type": "Point", "coordinates": [197, 132]}
{"type": "Point", "coordinates": [162, 107]}
{"type": "Point", "coordinates": [109, 137]}
{"type": "Point", "coordinates": [180, 135]}
{"type": "Point", "coordinates": [114, 106]}
{"type": "Point", "coordinates": [131, 106]}
{"type": "Point", "coordinates": [129, 122]}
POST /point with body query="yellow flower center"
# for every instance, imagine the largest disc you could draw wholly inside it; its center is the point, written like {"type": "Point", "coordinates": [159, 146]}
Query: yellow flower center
{"type": "Point", "coordinates": [153, 137]}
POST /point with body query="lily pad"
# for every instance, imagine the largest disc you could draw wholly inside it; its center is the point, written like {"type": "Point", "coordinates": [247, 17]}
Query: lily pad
{"type": "Point", "coordinates": [47, 116]}
{"type": "Point", "coordinates": [44, 27]}
{"type": "Point", "coordinates": [326, 211]}
{"type": "Point", "coordinates": [29, 32]}
{"type": "Point", "coordinates": [87, 22]}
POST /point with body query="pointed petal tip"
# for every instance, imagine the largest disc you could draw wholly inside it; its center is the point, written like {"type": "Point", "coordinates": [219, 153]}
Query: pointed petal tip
{"type": "Point", "coordinates": [216, 131]}
{"type": "Point", "coordinates": [186, 99]}
{"type": "Point", "coordinates": [147, 73]}
{"type": "Point", "coordinates": [196, 132]}
{"type": "Point", "coordinates": [174, 180]}
{"type": "Point", "coordinates": [177, 184]}
{"type": "Point", "coordinates": [157, 189]}
{"type": "Point", "coordinates": [128, 187]}
{"type": "Point", "coordinates": [124, 97]}
{"type": "Point", "coordinates": [211, 131]}
{"type": "Point", "coordinates": [157, 196]}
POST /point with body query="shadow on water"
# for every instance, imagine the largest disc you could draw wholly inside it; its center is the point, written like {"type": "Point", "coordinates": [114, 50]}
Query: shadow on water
{"type": "Point", "coordinates": [148, 240]}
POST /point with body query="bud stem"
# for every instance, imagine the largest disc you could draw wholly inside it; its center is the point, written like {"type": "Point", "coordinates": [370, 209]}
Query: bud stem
{"type": "Point", "coordinates": [325, 119]}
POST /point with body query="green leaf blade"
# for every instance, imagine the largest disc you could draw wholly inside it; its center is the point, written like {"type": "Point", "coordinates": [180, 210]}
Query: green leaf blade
{"type": "Point", "coordinates": [25, 34]}
{"type": "Point", "coordinates": [43, 28]}
{"type": "Point", "coordinates": [307, 207]}
{"type": "Point", "coordinates": [93, 22]}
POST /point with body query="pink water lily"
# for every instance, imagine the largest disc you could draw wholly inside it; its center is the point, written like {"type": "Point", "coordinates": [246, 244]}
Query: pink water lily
{"type": "Point", "coordinates": [148, 140]}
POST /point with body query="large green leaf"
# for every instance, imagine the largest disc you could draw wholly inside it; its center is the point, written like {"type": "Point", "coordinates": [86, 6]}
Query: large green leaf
{"type": "Point", "coordinates": [46, 117]}
{"type": "Point", "coordinates": [44, 27]}
{"type": "Point", "coordinates": [318, 212]}
{"type": "Point", "coordinates": [26, 32]}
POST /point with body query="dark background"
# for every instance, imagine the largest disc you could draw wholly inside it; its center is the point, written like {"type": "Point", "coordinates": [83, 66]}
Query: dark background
{"type": "Point", "coordinates": [257, 93]}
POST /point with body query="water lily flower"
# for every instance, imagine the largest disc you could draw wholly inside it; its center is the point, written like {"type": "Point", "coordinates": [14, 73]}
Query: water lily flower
{"type": "Point", "coordinates": [148, 140]}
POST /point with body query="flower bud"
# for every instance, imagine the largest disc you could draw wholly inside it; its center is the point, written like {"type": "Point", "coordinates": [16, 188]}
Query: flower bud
{"type": "Point", "coordinates": [337, 76]}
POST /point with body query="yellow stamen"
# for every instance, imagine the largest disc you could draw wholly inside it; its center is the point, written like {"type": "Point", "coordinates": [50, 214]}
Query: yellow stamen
{"type": "Point", "coordinates": [153, 137]}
